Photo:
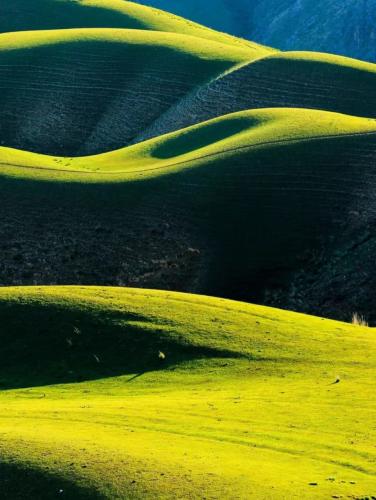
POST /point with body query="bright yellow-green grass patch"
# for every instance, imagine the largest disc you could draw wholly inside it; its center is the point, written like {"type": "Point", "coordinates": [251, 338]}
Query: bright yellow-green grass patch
{"type": "Point", "coordinates": [23, 15]}
{"type": "Point", "coordinates": [223, 137]}
{"type": "Point", "coordinates": [210, 50]}
{"type": "Point", "coordinates": [249, 402]}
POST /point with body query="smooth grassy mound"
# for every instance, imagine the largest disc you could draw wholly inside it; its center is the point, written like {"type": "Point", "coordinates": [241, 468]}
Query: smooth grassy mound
{"type": "Point", "coordinates": [229, 135]}
{"type": "Point", "coordinates": [23, 15]}
{"type": "Point", "coordinates": [269, 206]}
{"type": "Point", "coordinates": [292, 79]}
{"type": "Point", "coordinates": [90, 90]}
{"type": "Point", "coordinates": [248, 402]}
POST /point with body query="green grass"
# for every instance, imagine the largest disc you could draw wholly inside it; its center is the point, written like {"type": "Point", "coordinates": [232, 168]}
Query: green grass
{"type": "Point", "coordinates": [92, 90]}
{"type": "Point", "coordinates": [307, 80]}
{"type": "Point", "coordinates": [199, 145]}
{"type": "Point", "coordinates": [21, 15]}
{"type": "Point", "coordinates": [263, 185]}
{"type": "Point", "coordinates": [244, 404]}
{"type": "Point", "coordinates": [129, 393]}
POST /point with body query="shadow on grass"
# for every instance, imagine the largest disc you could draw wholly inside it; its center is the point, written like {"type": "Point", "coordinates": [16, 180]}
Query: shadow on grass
{"type": "Point", "coordinates": [19, 482]}
{"type": "Point", "coordinates": [44, 343]}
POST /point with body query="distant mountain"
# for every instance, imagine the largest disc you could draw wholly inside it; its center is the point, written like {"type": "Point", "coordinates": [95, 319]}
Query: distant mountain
{"type": "Point", "coordinates": [345, 27]}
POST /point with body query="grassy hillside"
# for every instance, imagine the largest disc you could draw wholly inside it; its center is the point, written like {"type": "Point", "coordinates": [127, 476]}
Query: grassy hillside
{"type": "Point", "coordinates": [232, 134]}
{"type": "Point", "coordinates": [292, 79]}
{"type": "Point", "coordinates": [23, 15]}
{"type": "Point", "coordinates": [244, 402]}
{"type": "Point", "coordinates": [240, 206]}
{"type": "Point", "coordinates": [92, 90]}
{"type": "Point", "coordinates": [115, 392]}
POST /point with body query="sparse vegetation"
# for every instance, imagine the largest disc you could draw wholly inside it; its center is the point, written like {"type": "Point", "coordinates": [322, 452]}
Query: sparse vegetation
{"type": "Point", "coordinates": [359, 319]}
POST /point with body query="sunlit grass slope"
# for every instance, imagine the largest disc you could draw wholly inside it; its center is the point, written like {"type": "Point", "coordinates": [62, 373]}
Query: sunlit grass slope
{"type": "Point", "coordinates": [236, 134]}
{"type": "Point", "coordinates": [291, 79]}
{"type": "Point", "coordinates": [92, 90]}
{"type": "Point", "coordinates": [26, 15]}
{"type": "Point", "coordinates": [230, 206]}
{"type": "Point", "coordinates": [243, 405]}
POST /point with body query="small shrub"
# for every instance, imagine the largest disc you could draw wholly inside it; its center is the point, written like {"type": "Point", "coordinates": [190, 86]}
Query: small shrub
{"type": "Point", "coordinates": [359, 319]}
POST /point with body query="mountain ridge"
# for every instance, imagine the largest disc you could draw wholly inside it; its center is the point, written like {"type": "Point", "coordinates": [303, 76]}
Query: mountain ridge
{"type": "Point", "coordinates": [344, 28]}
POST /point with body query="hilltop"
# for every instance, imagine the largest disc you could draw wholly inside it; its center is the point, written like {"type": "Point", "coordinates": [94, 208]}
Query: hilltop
{"type": "Point", "coordinates": [23, 15]}
{"type": "Point", "coordinates": [84, 91]}
{"type": "Point", "coordinates": [244, 402]}
{"type": "Point", "coordinates": [285, 79]}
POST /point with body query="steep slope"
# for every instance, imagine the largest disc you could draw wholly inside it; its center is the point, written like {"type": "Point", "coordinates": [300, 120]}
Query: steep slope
{"type": "Point", "coordinates": [234, 207]}
{"type": "Point", "coordinates": [291, 79]}
{"type": "Point", "coordinates": [23, 15]}
{"type": "Point", "coordinates": [92, 90]}
{"type": "Point", "coordinates": [244, 404]}
{"type": "Point", "coordinates": [345, 27]}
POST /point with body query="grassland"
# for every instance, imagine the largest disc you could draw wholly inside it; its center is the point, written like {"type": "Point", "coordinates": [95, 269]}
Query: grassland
{"type": "Point", "coordinates": [263, 183]}
{"type": "Point", "coordinates": [83, 91]}
{"type": "Point", "coordinates": [285, 79]}
{"type": "Point", "coordinates": [227, 136]}
{"type": "Point", "coordinates": [140, 150]}
{"type": "Point", "coordinates": [244, 404]}
{"type": "Point", "coordinates": [21, 15]}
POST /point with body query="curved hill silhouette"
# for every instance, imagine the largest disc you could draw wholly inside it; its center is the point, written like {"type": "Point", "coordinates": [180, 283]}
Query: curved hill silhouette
{"type": "Point", "coordinates": [23, 15]}
{"type": "Point", "coordinates": [85, 91]}
{"type": "Point", "coordinates": [291, 79]}
{"type": "Point", "coordinates": [153, 421]}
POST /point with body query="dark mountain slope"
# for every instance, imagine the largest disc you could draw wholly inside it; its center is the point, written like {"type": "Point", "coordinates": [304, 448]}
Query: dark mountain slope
{"type": "Point", "coordinates": [345, 27]}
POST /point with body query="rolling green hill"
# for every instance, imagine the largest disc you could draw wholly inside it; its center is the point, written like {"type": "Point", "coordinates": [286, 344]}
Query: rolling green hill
{"type": "Point", "coordinates": [198, 145]}
{"type": "Point", "coordinates": [73, 92]}
{"type": "Point", "coordinates": [288, 192]}
{"type": "Point", "coordinates": [244, 404]}
{"type": "Point", "coordinates": [92, 90]}
{"type": "Point", "coordinates": [23, 15]}
{"type": "Point", "coordinates": [291, 79]}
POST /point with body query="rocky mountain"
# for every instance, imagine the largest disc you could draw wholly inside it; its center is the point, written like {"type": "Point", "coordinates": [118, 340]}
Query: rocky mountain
{"type": "Point", "coordinates": [345, 27]}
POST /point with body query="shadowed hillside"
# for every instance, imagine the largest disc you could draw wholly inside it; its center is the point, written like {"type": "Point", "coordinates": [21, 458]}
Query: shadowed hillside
{"type": "Point", "coordinates": [73, 92]}
{"type": "Point", "coordinates": [238, 207]}
{"type": "Point", "coordinates": [291, 79]}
